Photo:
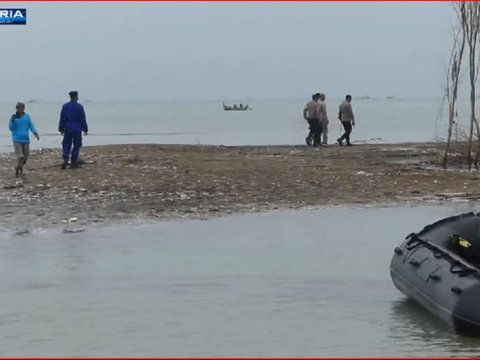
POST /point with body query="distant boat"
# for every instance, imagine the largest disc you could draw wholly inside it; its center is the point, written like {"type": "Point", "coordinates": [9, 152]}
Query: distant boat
{"type": "Point", "coordinates": [236, 107]}
{"type": "Point", "coordinates": [390, 97]}
{"type": "Point", "coordinates": [365, 97]}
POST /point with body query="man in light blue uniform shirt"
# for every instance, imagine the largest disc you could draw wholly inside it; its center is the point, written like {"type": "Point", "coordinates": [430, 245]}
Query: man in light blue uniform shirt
{"type": "Point", "coordinates": [20, 124]}
{"type": "Point", "coordinates": [72, 122]}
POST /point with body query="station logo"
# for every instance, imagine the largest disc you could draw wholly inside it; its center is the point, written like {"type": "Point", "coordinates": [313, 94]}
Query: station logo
{"type": "Point", "coordinates": [13, 16]}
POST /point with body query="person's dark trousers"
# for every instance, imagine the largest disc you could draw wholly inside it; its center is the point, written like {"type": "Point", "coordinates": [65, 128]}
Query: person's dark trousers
{"type": "Point", "coordinates": [315, 131]}
{"type": "Point", "coordinates": [71, 138]}
{"type": "Point", "coordinates": [317, 140]}
{"type": "Point", "coordinates": [348, 129]}
{"type": "Point", "coordinates": [311, 133]}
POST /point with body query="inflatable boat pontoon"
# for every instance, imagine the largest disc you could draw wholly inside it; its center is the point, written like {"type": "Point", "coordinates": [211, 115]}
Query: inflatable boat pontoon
{"type": "Point", "coordinates": [439, 268]}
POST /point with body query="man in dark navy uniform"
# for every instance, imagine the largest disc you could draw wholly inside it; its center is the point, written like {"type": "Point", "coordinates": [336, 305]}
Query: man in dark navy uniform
{"type": "Point", "coordinates": [72, 122]}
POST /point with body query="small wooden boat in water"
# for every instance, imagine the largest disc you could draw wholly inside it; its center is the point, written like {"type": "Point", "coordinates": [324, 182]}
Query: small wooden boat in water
{"type": "Point", "coordinates": [439, 268]}
{"type": "Point", "coordinates": [236, 107]}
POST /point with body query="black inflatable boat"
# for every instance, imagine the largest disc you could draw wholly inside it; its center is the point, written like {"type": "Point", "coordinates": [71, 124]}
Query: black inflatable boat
{"type": "Point", "coordinates": [439, 268]}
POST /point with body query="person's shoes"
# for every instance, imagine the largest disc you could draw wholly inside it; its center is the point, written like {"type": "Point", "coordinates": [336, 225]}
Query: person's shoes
{"type": "Point", "coordinates": [308, 141]}
{"type": "Point", "coordinates": [349, 144]}
{"type": "Point", "coordinates": [339, 141]}
{"type": "Point", "coordinates": [64, 165]}
{"type": "Point", "coordinates": [325, 145]}
{"type": "Point", "coordinates": [17, 172]}
{"type": "Point", "coordinates": [75, 165]}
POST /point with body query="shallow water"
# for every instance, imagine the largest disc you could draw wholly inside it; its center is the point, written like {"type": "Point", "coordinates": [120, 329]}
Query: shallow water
{"type": "Point", "coordinates": [269, 123]}
{"type": "Point", "coordinates": [307, 283]}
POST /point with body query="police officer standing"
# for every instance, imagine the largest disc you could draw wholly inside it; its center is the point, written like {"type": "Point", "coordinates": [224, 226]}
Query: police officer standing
{"type": "Point", "coordinates": [311, 114]}
{"type": "Point", "coordinates": [323, 118]}
{"type": "Point", "coordinates": [72, 122]}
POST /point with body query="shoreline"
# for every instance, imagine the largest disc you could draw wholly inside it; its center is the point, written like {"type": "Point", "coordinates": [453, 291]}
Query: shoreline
{"type": "Point", "coordinates": [144, 182]}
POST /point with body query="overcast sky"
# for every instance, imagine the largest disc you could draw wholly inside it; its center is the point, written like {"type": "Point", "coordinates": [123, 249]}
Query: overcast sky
{"type": "Point", "coordinates": [174, 51]}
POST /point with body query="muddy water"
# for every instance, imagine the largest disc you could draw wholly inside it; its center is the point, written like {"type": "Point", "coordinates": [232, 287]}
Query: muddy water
{"type": "Point", "coordinates": [309, 283]}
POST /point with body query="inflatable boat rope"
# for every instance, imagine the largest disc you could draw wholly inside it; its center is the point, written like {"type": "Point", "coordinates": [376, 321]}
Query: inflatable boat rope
{"type": "Point", "coordinates": [464, 270]}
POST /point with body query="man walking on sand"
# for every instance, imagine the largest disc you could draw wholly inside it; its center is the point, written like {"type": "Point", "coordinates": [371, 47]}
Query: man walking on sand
{"type": "Point", "coordinates": [323, 118]}
{"type": "Point", "coordinates": [310, 114]}
{"type": "Point", "coordinates": [20, 124]}
{"type": "Point", "coordinates": [72, 122]}
{"type": "Point", "coordinates": [345, 115]}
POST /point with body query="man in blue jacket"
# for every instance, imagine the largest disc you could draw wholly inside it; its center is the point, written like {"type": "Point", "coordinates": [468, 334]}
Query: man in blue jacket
{"type": "Point", "coordinates": [20, 124]}
{"type": "Point", "coordinates": [72, 123]}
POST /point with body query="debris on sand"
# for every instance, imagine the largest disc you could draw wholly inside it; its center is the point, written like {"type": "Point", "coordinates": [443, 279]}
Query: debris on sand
{"type": "Point", "coordinates": [120, 183]}
{"type": "Point", "coordinates": [362, 173]}
{"type": "Point", "coordinates": [16, 185]}
{"type": "Point", "coordinates": [73, 230]}
{"type": "Point", "coordinates": [22, 232]}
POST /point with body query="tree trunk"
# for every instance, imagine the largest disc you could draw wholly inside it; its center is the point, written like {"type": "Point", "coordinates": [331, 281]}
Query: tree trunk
{"type": "Point", "coordinates": [472, 116]}
{"type": "Point", "coordinates": [449, 136]}
{"type": "Point", "coordinates": [455, 64]}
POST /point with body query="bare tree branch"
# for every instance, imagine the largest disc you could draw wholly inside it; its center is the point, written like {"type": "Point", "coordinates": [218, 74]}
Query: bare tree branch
{"type": "Point", "coordinates": [453, 74]}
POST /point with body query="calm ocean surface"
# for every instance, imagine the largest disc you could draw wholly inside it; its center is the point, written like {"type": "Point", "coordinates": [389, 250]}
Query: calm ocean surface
{"type": "Point", "coordinates": [269, 123]}
{"type": "Point", "coordinates": [306, 283]}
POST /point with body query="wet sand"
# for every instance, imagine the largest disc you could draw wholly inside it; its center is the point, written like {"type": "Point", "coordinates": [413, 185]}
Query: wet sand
{"type": "Point", "coordinates": [118, 183]}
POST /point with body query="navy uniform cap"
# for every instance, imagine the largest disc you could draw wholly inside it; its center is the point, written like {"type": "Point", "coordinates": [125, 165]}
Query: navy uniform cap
{"type": "Point", "coordinates": [73, 93]}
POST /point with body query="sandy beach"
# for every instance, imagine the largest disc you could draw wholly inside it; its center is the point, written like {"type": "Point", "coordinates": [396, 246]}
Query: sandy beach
{"type": "Point", "coordinates": [118, 183]}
